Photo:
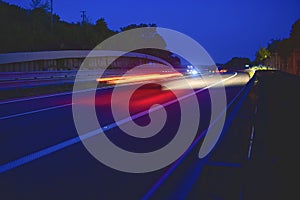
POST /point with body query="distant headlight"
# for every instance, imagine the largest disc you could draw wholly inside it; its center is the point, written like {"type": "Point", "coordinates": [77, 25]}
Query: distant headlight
{"type": "Point", "coordinates": [194, 72]}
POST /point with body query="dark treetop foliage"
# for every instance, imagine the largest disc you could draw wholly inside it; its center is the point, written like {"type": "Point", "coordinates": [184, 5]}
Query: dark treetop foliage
{"type": "Point", "coordinates": [31, 30]}
{"type": "Point", "coordinates": [237, 63]}
{"type": "Point", "coordinates": [286, 46]}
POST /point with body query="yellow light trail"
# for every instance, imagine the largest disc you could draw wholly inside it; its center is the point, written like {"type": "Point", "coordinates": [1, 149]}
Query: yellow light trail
{"type": "Point", "coordinates": [136, 78]}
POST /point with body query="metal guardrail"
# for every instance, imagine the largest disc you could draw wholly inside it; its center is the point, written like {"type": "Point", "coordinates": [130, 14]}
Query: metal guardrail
{"type": "Point", "coordinates": [15, 76]}
{"type": "Point", "coordinates": [20, 80]}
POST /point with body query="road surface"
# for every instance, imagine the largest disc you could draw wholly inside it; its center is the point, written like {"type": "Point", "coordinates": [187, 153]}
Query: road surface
{"type": "Point", "coordinates": [42, 157]}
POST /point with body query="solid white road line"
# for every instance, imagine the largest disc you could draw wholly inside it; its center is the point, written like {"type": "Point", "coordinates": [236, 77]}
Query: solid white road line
{"type": "Point", "coordinates": [34, 111]}
{"type": "Point", "coordinates": [251, 143]}
{"type": "Point", "coordinates": [65, 105]}
{"type": "Point", "coordinates": [59, 146]}
{"type": "Point", "coordinates": [66, 93]}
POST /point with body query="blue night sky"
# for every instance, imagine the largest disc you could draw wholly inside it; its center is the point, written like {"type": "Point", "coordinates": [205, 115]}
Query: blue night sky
{"type": "Point", "coordinates": [224, 28]}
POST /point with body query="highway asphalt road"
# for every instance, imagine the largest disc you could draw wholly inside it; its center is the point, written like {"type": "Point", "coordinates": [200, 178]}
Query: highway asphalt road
{"type": "Point", "coordinates": [41, 156]}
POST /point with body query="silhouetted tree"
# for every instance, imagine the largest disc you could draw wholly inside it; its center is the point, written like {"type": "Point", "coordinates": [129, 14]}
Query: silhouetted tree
{"type": "Point", "coordinates": [237, 63]}
{"type": "Point", "coordinates": [30, 30]}
{"type": "Point", "coordinates": [283, 47]}
{"type": "Point", "coordinates": [40, 4]}
{"type": "Point", "coordinates": [133, 26]}
{"type": "Point", "coordinates": [261, 55]}
{"type": "Point", "coordinates": [273, 45]}
{"type": "Point", "coordinates": [295, 34]}
{"type": "Point", "coordinates": [102, 30]}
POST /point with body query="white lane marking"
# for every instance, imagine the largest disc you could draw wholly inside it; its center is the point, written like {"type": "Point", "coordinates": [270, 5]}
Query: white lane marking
{"type": "Point", "coordinates": [255, 110]}
{"type": "Point", "coordinates": [65, 105]}
{"type": "Point", "coordinates": [59, 146]}
{"type": "Point", "coordinates": [45, 96]}
{"type": "Point", "coordinates": [251, 143]}
{"type": "Point", "coordinates": [174, 166]}
{"type": "Point", "coordinates": [226, 79]}
{"type": "Point", "coordinates": [34, 111]}
{"type": "Point", "coordinates": [65, 93]}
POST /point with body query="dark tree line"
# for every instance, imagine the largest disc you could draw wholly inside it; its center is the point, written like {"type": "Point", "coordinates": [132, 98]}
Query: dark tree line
{"type": "Point", "coordinates": [284, 48]}
{"type": "Point", "coordinates": [237, 63]}
{"type": "Point", "coordinates": [36, 29]}
{"type": "Point", "coordinates": [31, 30]}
